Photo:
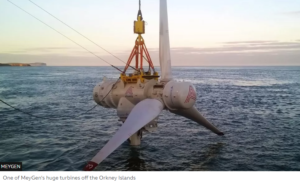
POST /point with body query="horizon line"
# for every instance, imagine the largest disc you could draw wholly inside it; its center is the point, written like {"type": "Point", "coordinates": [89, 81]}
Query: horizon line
{"type": "Point", "coordinates": [179, 66]}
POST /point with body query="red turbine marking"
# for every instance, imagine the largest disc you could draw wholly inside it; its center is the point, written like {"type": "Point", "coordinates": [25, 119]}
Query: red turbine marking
{"type": "Point", "coordinates": [191, 95]}
{"type": "Point", "coordinates": [90, 166]}
{"type": "Point", "coordinates": [129, 92]}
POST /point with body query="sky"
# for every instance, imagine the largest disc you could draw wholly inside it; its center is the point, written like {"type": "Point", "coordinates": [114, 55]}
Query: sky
{"type": "Point", "coordinates": [202, 32]}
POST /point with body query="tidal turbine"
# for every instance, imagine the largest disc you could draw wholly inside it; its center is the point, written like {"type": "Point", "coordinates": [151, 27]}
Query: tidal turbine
{"type": "Point", "coordinates": [140, 97]}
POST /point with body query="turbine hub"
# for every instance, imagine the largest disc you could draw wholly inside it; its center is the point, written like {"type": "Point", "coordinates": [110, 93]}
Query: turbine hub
{"type": "Point", "coordinates": [179, 95]}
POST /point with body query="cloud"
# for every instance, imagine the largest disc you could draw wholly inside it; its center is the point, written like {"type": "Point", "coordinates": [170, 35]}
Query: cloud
{"type": "Point", "coordinates": [152, 49]}
{"type": "Point", "coordinates": [293, 13]}
{"type": "Point", "coordinates": [235, 47]}
{"type": "Point", "coordinates": [260, 43]}
{"type": "Point", "coordinates": [226, 47]}
{"type": "Point", "coordinates": [62, 59]}
{"type": "Point", "coordinates": [248, 42]}
{"type": "Point", "coordinates": [42, 49]}
{"type": "Point", "coordinates": [242, 53]}
{"type": "Point", "coordinates": [49, 48]}
{"type": "Point", "coordinates": [243, 47]}
{"type": "Point", "coordinates": [275, 58]}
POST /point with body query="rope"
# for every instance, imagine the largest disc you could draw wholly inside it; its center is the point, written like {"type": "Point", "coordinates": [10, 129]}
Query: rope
{"type": "Point", "coordinates": [78, 32]}
{"type": "Point", "coordinates": [32, 115]}
{"type": "Point", "coordinates": [63, 35]}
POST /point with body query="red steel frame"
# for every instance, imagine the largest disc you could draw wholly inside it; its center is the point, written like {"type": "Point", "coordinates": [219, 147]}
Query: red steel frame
{"type": "Point", "coordinates": [139, 48]}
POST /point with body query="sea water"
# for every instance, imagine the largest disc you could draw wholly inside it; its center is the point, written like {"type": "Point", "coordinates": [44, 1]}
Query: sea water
{"type": "Point", "coordinates": [258, 109]}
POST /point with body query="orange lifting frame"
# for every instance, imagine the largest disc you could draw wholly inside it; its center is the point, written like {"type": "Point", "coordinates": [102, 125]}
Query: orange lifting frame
{"type": "Point", "coordinates": [139, 48]}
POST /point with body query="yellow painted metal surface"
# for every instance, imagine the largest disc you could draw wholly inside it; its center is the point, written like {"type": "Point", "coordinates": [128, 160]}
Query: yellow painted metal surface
{"type": "Point", "coordinates": [139, 26]}
{"type": "Point", "coordinates": [133, 78]}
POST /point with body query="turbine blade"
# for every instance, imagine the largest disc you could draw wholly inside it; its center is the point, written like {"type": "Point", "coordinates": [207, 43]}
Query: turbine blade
{"type": "Point", "coordinates": [194, 114]}
{"type": "Point", "coordinates": [143, 113]}
{"type": "Point", "coordinates": [164, 43]}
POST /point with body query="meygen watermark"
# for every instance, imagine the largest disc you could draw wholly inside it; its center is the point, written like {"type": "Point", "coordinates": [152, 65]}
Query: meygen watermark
{"type": "Point", "coordinates": [10, 166]}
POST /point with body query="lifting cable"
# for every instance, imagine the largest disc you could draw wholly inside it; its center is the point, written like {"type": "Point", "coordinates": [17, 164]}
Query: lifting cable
{"type": "Point", "coordinates": [65, 36]}
{"type": "Point", "coordinates": [32, 115]}
{"type": "Point", "coordinates": [79, 33]}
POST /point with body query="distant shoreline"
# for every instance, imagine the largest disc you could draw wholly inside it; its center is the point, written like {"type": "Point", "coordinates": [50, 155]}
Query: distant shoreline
{"type": "Point", "coordinates": [22, 64]}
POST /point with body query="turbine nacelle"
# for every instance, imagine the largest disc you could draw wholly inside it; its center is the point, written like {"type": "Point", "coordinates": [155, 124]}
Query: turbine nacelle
{"type": "Point", "coordinates": [179, 95]}
{"type": "Point", "coordinates": [173, 94]}
{"type": "Point", "coordinates": [109, 92]}
{"type": "Point", "coordinates": [101, 94]}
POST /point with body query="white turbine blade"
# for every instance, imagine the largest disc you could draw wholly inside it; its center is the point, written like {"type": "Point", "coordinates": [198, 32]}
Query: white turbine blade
{"type": "Point", "coordinates": [194, 114]}
{"type": "Point", "coordinates": [144, 112]}
{"type": "Point", "coordinates": [164, 43]}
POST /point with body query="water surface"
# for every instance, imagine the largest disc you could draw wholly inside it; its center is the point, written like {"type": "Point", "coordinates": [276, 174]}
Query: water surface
{"type": "Point", "coordinates": [258, 109]}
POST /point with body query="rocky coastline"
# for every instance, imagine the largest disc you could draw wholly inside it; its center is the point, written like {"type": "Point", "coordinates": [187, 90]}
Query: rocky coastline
{"type": "Point", "coordinates": [23, 64]}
